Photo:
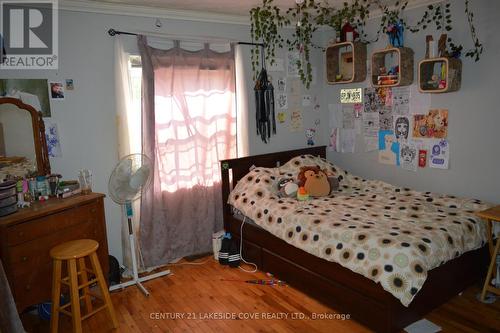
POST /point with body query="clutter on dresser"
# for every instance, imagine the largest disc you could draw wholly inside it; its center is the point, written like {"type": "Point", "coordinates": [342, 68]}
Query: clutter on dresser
{"type": "Point", "coordinates": [8, 198]}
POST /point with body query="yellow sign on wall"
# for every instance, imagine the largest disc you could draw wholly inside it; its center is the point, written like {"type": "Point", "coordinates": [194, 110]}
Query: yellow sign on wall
{"type": "Point", "coordinates": [354, 95]}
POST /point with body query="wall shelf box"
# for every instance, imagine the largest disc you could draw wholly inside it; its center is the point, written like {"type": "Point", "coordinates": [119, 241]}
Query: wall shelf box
{"type": "Point", "coordinates": [448, 70]}
{"type": "Point", "coordinates": [391, 57]}
{"type": "Point", "coordinates": [347, 59]}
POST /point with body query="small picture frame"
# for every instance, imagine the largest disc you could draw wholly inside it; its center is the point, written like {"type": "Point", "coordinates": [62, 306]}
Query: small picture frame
{"type": "Point", "coordinates": [56, 90]}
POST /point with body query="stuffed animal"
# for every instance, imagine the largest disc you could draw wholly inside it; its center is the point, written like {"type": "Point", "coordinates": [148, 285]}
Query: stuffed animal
{"type": "Point", "coordinates": [287, 188]}
{"type": "Point", "coordinates": [314, 180]}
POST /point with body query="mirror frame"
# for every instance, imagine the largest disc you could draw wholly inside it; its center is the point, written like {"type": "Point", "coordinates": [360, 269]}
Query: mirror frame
{"type": "Point", "coordinates": [42, 153]}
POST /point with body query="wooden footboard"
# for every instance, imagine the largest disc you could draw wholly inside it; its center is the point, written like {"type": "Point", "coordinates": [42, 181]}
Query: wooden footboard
{"type": "Point", "coordinates": [348, 292]}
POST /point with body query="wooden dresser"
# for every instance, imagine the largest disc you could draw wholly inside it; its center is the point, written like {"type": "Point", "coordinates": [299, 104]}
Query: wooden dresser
{"type": "Point", "coordinates": [27, 236]}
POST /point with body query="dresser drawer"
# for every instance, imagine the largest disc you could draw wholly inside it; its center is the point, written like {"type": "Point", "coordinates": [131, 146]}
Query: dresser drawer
{"type": "Point", "coordinates": [34, 229]}
{"type": "Point", "coordinates": [24, 257]}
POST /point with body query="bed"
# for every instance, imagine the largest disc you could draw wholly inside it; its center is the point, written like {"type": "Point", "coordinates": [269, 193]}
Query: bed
{"type": "Point", "coordinates": [341, 284]}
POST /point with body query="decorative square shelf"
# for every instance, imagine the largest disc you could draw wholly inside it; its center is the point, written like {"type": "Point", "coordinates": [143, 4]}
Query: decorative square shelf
{"type": "Point", "coordinates": [447, 74]}
{"type": "Point", "coordinates": [384, 60]}
{"type": "Point", "coordinates": [348, 60]}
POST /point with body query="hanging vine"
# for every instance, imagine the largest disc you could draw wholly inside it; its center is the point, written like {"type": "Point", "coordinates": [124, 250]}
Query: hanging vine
{"type": "Point", "coordinates": [268, 21]}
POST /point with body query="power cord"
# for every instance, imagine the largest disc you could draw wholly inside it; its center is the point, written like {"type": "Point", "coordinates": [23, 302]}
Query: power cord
{"type": "Point", "coordinates": [241, 248]}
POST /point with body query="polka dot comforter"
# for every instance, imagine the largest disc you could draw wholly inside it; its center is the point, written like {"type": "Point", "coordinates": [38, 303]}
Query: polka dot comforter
{"type": "Point", "coordinates": [388, 234]}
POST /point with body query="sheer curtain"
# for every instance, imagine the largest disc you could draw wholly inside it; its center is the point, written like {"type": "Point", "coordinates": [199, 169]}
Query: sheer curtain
{"type": "Point", "coordinates": [127, 117]}
{"type": "Point", "coordinates": [188, 125]}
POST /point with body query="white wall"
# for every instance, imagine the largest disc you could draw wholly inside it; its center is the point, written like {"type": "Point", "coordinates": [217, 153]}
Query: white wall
{"type": "Point", "coordinates": [86, 118]}
{"type": "Point", "coordinates": [473, 115]}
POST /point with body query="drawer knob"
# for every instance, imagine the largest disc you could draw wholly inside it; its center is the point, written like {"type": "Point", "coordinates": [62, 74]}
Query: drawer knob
{"type": "Point", "coordinates": [24, 258]}
{"type": "Point", "coordinates": [93, 210]}
{"type": "Point", "coordinates": [20, 233]}
{"type": "Point", "coordinates": [28, 287]}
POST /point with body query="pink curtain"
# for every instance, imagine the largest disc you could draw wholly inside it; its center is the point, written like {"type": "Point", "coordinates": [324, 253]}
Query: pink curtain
{"type": "Point", "coordinates": [189, 124]}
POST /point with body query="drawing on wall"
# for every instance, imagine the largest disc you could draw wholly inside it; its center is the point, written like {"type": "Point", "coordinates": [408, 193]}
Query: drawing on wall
{"type": "Point", "coordinates": [306, 100]}
{"type": "Point", "coordinates": [401, 100]}
{"type": "Point", "coordinates": [388, 148]}
{"type": "Point", "coordinates": [53, 142]}
{"type": "Point", "coordinates": [310, 134]}
{"type": "Point", "coordinates": [292, 67]}
{"type": "Point", "coordinates": [296, 121]}
{"type": "Point", "coordinates": [282, 101]}
{"type": "Point", "coordinates": [440, 154]}
{"type": "Point", "coordinates": [402, 128]}
{"type": "Point", "coordinates": [347, 116]}
{"type": "Point", "coordinates": [32, 92]}
{"type": "Point", "coordinates": [433, 125]}
{"type": "Point", "coordinates": [371, 100]}
{"type": "Point", "coordinates": [385, 118]}
{"type": "Point", "coordinates": [370, 130]}
{"type": "Point", "coordinates": [334, 137]}
{"type": "Point", "coordinates": [408, 157]}
{"type": "Point", "coordinates": [281, 85]}
{"type": "Point", "coordinates": [317, 106]}
{"type": "Point", "coordinates": [281, 117]}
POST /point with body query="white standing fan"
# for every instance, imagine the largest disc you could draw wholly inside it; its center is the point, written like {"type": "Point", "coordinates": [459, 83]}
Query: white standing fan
{"type": "Point", "coordinates": [130, 177]}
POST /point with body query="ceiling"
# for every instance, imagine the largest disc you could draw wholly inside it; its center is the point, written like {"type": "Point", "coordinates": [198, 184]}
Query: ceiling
{"type": "Point", "coordinates": [225, 7]}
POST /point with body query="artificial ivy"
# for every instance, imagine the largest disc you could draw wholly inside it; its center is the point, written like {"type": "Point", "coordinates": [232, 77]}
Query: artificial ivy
{"type": "Point", "coordinates": [267, 21]}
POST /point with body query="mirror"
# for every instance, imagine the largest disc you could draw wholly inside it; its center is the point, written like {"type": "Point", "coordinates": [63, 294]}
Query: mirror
{"type": "Point", "coordinates": [23, 149]}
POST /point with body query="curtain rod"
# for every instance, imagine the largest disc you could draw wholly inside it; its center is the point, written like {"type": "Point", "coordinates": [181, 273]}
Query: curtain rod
{"type": "Point", "coordinates": [113, 32]}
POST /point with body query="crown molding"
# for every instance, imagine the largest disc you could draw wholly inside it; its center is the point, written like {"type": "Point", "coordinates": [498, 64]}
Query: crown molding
{"type": "Point", "coordinates": [154, 12]}
{"type": "Point", "coordinates": [178, 14]}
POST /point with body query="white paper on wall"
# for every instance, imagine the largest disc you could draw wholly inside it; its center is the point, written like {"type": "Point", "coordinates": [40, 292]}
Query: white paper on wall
{"type": "Point", "coordinates": [347, 116]}
{"type": "Point", "coordinates": [439, 154]}
{"type": "Point", "coordinates": [335, 113]}
{"type": "Point", "coordinates": [333, 144]}
{"type": "Point", "coordinates": [282, 101]}
{"type": "Point", "coordinates": [401, 100]}
{"type": "Point", "coordinates": [408, 156]}
{"type": "Point", "coordinates": [347, 140]}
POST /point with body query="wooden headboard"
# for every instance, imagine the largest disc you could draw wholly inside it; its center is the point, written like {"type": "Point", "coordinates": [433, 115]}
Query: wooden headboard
{"type": "Point", "coordinates": [233, 170]}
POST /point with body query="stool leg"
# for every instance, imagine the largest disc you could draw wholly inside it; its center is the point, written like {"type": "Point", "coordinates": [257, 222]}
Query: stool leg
{"type": "Point", "coordinates": [103, 286]}
{"type": "Point", "coordinates": [85, 279]}
{"type": "Point", "coordinates": [75, 296]}
{"type": "Point", "coordinates": [490, 270]}
{"type": "Point", "coordinates": [56, 296]}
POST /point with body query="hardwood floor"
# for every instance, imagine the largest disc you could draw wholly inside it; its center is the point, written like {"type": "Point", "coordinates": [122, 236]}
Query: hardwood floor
{"type": "Point", "coordinates": [203, 303]}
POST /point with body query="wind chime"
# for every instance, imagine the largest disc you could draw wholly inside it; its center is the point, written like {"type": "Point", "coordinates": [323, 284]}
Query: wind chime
{"type": "Point", "coordinates": [264, 103]}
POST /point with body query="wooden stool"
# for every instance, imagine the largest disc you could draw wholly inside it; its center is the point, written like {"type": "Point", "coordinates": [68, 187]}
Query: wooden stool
{"type": "Point", "coordinates": [73, 252]}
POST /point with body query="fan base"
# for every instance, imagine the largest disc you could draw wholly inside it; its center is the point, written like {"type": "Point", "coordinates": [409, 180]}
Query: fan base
{"type": "Point", "coordinates": [138, 283]}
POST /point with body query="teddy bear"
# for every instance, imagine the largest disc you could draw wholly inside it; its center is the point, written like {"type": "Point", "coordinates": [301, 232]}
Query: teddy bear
{"type": "Point", "coordinates": [314, 180]}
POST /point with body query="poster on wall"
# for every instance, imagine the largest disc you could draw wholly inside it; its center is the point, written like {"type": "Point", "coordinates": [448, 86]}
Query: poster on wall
{"type": "Point", "coordinates": [53, 141]}
{"type": "Point", "coordinates": [388, 148]}
{"type": "Point", "coordinates": [281, 85]}
{"type": "Point", "coordinates": [333, 144]}
{"type": "Point", "coordinates": [282, 101]}
{"type": "Point", "coordinates": [385, 118]}
{"type": "Point", "coordinates": [401, 100]}
{"type": "Point", "coordinates": [296, 122]}
{"type": "Point", "coordinates": [347, 140]}
{"type": "Point", "coordinates": [440, 154]}
{"type": "Point", "coordinates": [433, 125]}
{"type": "Point", "coordinates": [370, 130]}
{"type": "Point", "coordinates": [408, 156]}
{"type": "Point", "coordinates": [371, 100]}
{"type": "Point", "coordinates": [402, 128]}
{"type": "Point", "coordinates": [31, 91]}
{"type": "Point", "coordinates": [348, 116]}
